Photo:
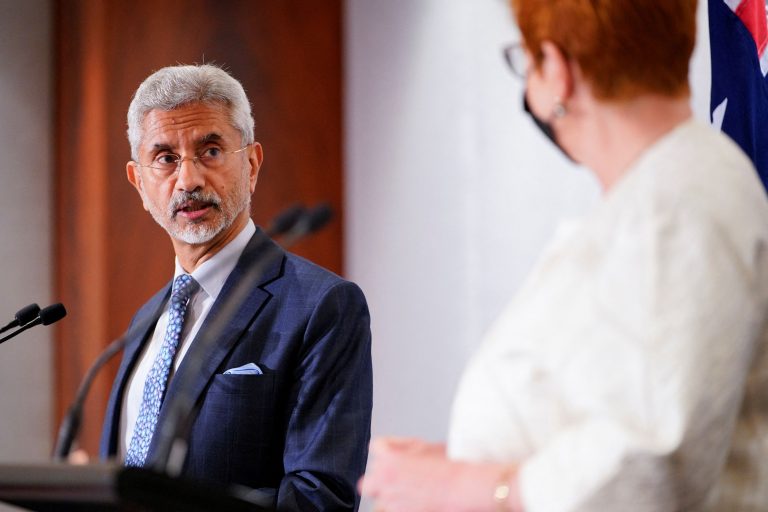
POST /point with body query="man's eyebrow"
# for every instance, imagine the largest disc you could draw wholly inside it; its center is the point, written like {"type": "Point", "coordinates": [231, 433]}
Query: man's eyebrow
{"type": "Point", "coordinates": [210, 137]}
{"type": "Point", "coordinates": [161, 146]}
{"type": "Point", "coordinates": [205, 139]}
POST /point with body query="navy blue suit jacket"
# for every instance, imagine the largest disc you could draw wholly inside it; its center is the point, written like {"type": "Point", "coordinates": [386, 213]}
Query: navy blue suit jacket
{"type": "Point", "coordinates": [303, 426]}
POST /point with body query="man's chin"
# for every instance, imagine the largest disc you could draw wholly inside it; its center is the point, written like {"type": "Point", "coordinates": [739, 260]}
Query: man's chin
{"type": "Point", "coordinates": [196, 235]}
{"type": "Point", "coordinates": [198, 232]}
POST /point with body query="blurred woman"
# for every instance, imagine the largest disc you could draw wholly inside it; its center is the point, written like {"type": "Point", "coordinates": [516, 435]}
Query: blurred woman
{"type": "Point", "coordinates": [630, 371]}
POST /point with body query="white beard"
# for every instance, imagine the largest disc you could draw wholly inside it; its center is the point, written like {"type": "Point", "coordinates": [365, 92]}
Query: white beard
{"type": "Point", "coordinates": [195, 233]}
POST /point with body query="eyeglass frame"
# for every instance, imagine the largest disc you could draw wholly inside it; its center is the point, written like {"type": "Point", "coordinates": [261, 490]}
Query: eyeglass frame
{"type": "Point", "coordinates": [195, 159]}
{"type": "Point", "coordinates": [516, 59]}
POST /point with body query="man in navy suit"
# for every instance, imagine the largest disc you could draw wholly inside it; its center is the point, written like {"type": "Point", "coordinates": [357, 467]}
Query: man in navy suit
{"type": "Point", "coordinates": [282, 386]}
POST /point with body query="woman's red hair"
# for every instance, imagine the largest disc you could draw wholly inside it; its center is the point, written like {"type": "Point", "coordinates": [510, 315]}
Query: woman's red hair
{"type": "Point", "coordinates": [625, 48]}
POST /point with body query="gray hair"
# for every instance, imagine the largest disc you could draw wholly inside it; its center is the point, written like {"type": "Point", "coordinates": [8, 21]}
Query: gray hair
{"type": "Point", "coordinates": [175, 86]}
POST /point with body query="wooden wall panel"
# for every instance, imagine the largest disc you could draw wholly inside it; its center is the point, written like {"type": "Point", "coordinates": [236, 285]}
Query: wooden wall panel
{"type": "Point", "coordinates": [110, 255]}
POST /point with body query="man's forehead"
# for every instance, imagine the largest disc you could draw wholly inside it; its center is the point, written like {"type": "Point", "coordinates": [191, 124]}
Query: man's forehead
{"type": "Point", "coordinates": [160, 142]}
{"type": "Point", "coordinates": [190, 123]}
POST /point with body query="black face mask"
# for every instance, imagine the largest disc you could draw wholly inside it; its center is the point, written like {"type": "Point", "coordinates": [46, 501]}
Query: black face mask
{"type": "Point", "coordinates": [544, 126]}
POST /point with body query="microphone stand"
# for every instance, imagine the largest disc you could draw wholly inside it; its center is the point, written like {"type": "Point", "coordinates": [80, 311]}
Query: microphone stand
{"type": "Point", "coordinates": [70, 425]}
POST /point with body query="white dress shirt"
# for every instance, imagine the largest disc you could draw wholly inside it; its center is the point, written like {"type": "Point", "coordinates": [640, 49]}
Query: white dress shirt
{"type": "Point", "coordinates": [211, 276]}
{"type": "Point", "coordinates": [630, 372]}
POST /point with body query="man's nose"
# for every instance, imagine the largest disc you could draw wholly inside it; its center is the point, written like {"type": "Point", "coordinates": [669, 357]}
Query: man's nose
{"type": "Point", "coordinates": [190, 175]}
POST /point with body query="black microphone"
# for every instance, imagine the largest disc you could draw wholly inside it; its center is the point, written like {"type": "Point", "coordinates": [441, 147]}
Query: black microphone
{"type": "Point", "coordinates": [319, 216]}
{"type": "Point", "coordinates": [23, 316]}
{"type": "Point", "coordinates": [70, 425]}
{"type": "Point", "coordinates": [51, 314]}
{"type": "Point", "coordinates": [46, 316]}
{"type": "Point", "coordinates": [311, 221]}
{"type": "Point", "coordinates": [286, 220]}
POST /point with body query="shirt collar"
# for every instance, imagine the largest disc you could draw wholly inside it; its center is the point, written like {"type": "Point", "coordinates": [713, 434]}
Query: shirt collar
{"type": "Point", "coordinates": [212, 273]}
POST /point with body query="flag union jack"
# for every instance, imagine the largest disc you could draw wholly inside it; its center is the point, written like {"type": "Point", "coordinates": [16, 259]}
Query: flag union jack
{"type": "Point", "coordinates": [738, 32]}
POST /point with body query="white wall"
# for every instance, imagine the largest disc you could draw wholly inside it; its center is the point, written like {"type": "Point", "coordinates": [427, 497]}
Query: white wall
{"type": "Point", "coordinates": [25, 226]}
{"type": "Point", "coordinates": [451, 192]}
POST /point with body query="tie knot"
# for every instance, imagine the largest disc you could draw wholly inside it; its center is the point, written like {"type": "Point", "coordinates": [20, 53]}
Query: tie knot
{"type": "Point", "coordinates": [184, 286]}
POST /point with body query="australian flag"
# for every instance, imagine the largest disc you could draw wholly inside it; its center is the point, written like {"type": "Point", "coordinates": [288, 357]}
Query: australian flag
{"type": "Point", "coordinates": [739, 101]}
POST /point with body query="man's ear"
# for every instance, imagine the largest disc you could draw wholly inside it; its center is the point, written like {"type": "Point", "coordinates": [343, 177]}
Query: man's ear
{"type": "Point", "coordinates": [133, 172]}
{"type": "Point", "coordinates": [557, 71]}
{"type": "Point", "coordinates": [255, 158]}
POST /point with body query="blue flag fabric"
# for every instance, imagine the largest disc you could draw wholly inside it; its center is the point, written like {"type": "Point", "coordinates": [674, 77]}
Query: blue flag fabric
{"type": "Point", "coordinates": [739, 97]}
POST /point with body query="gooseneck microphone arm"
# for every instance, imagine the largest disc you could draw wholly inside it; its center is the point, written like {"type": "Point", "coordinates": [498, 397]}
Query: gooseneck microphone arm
{"type": "Point", "coordinates": [70, 425]}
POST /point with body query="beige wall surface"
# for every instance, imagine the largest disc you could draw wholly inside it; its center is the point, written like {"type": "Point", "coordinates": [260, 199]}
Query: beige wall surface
{"type": "Point", "coordinates": [25, 226]}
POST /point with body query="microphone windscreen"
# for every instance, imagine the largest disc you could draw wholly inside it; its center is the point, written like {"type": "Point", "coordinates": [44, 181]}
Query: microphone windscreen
{"type": "Point", "coordinates": [319, 216]}
{"type": "Point", "coordinates": [52, 313]}
{"type": "Point", "coordinates": [286, 219]}
{"type": "Point", "coordinates": [27, 314]}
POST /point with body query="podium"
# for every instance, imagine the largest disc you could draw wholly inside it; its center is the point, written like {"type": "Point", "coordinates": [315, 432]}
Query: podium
{"type": "Point", "coordinates": [111, 487]}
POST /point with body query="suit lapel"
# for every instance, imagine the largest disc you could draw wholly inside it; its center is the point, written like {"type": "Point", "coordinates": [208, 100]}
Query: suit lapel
{"type": "Point", "coordinates": [239, 302]}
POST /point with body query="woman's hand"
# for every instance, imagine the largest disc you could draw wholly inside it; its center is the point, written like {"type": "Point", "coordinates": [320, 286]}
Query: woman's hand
{"type": "Point", "coordinates": [410, 475]}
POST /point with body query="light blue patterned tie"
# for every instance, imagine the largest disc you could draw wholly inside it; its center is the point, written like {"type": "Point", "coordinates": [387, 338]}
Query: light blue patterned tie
{"type": "Point", "coordinates": [157, 379]}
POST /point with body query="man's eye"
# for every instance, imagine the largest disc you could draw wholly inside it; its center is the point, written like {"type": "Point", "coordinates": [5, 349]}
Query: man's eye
{"type": "Point", "coordinates": [212, 152]}
{"type": "Point", "coordinates": [166, 159]}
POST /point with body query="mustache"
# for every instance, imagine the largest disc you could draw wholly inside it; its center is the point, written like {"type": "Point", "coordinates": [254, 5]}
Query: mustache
{"type": "Point", "coordinates": [180, 198]}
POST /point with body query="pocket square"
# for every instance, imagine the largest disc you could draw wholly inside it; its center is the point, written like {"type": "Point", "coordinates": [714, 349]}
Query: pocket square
{"type": "Point", "coordinates": [246, 369]}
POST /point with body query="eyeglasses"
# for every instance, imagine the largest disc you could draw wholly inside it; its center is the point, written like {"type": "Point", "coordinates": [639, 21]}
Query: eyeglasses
{"type": "Point", "coordinates": [166, 164]}
{"type": "Point", "coordinates": [516, 59]}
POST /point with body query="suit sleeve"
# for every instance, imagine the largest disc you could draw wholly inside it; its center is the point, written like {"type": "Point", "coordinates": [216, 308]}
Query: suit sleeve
{"type": "Point", "coordinates": [326, 445]}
